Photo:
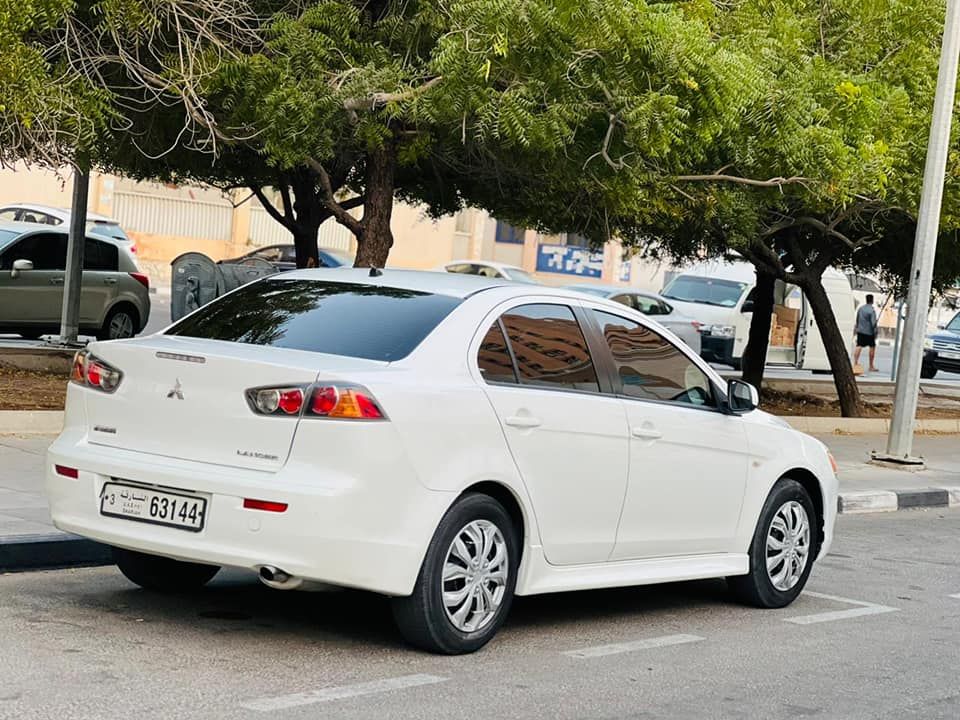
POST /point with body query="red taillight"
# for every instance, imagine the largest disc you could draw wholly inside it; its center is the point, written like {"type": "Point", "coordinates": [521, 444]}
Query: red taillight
{"type": "Point", "coordinates": [92, 372]}
{"type": "Point", "coordinates": [133, 248]}
{"type": "Point", "coordinates": [141, 278]}
{"type": "Point", "coordinates": [68, 472]}
{"type": "Point", "coordinates": [696, 325]}
{"type": "Point", "coordinates": [349, 402]}
{"type": "Point", "coordinates": [265, 505]}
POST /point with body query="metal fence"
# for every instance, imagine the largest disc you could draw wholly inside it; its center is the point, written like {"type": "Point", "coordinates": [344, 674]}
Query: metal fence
{"type": "Point", "coordinates": [163, 215]}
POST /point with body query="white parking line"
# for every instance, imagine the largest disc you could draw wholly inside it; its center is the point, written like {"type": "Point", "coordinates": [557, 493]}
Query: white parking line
{"type": "Point", "coordinates": [957, 596]}
{"type": "Point", "coordinates": [601, 650]}
{"type": "Point", "coordinates": [863, 608]}
{"type": "Point", "coordinates": [311, 697]}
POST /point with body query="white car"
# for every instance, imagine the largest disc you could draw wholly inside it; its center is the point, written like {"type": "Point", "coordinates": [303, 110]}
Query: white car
{"type": "Point", "coordinates": [444, 440]}
{"type": "Point", "coordinates": [47, 215]}
{"type": "Point", "coordinates": [489, 269]}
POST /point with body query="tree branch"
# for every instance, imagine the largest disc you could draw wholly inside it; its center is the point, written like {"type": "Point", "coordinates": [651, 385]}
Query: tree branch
{"type": "Point", "coordinates": [378, 99]}
{"type": "Point", "coordinates": [271, 210]}
{"type": "Point", "coordinates": [354, 202]}
{"type": "Point", "coordinates": [772, 182]}
{"type": "Point", "coordinates": [339, 211]}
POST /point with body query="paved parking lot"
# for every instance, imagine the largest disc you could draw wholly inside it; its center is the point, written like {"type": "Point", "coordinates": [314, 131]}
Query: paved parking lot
{"type": "Point", "coordinates": [876, 636]}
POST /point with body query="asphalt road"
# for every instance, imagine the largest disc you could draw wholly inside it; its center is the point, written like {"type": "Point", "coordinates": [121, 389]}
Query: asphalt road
{"type": "Point", "coordinates": [882, 644]}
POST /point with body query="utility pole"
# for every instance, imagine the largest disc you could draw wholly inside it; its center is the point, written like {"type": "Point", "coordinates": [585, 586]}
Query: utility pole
{"type": "Point", "coordinates": [73, 278]}
{"type": "Point", "coordinates": [900, 441]}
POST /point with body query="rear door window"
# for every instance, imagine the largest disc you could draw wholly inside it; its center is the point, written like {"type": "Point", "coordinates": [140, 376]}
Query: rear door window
{"type": "Point", "coordinates": [550, 348]}
{"type": "Point", "coordinates": [98, 255]}
{"type": "Point", "coordinates": [362, 321]}
{"type": "Point", "coordinates": [494, 359]}
{"type": "Point", "coordinates": [650, 367]}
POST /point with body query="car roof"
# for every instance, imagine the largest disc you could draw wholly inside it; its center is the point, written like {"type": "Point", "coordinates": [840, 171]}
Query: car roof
{"type": "Point", "coordinates": [485, 263]}
{"type": "Point", "coordinates": [439, 283]}
{"type": "Point", "coordinates": [62, 213]}
{"type": "Point", "coordinates": [28, 228]}
{"type": "Point", "coordinates": [611, 289]}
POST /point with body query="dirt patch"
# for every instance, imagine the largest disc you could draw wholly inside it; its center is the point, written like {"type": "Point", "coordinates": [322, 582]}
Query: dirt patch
{"type": "Point", "coordinates": [805, 405]}
{"type": "Point", "coordinates": [27, 390]}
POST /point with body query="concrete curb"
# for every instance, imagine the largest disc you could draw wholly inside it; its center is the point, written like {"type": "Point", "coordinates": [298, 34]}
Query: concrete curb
{"type": "Point", "coordinates": [31, 422]}
{"type": "Point", "coordinates": [868, 426]}
{"type": "Point", "coordinates": [872, 501]}
{"type": "Point", "coordinates": [19, 553]}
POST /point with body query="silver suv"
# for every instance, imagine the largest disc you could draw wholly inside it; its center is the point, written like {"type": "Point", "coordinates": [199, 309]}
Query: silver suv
{"type": "Point", "coordinates": [114, 302]}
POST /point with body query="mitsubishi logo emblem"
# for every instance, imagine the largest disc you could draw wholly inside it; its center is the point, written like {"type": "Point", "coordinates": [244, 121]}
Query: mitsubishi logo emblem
{"type": "Point", "coordinates": [176, 392]}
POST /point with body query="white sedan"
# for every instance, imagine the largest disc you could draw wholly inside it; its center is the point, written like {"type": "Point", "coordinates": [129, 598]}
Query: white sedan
{"type": "Point", "coordinates": [445, 440]}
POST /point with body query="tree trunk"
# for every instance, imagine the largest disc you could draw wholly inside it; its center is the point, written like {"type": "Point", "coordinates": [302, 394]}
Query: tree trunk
{"type": "Point", "coordinates": [755, 353]}
{"type": "Point", "coordinates": [847, 391]}
{"type": "Point", "coordinates": [309, 214]}
{"type": "Point", "coordinates": [376, 238]}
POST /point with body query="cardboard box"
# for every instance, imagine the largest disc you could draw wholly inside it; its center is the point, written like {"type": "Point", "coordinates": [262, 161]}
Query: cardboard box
{"type": "Point", "coordinates": [786, 315]}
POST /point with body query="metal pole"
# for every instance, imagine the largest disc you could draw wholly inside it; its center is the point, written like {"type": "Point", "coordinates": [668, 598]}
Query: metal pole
{"type": "Point", "coordinates": [900, 441]}
{"type": "Point", "coordinates": [896, 340]}
{"type": "Point", "coordinates": [73, 280]}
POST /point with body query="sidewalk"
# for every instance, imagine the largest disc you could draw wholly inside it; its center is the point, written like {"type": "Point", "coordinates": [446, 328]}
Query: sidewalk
{"type": "Point", "coordinates": [28, 538]}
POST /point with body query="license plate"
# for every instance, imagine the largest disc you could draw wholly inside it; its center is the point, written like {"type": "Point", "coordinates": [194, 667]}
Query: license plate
{"type": "Point", "coordinates": [950, 355]}
{"type": "Point", "coordinates": [158, 507]}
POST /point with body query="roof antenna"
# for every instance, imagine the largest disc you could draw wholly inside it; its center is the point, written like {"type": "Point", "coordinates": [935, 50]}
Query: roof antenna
{"type": "Point", "coordinates": [375, 273]}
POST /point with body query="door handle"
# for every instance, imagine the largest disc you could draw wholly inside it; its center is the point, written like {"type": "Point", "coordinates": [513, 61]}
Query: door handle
{"type": "Point", "coordinates": [645, 433]}
{"type": "Point", "coordinates": [109, 281]}
{"type": "Point", "coordinates": [523, 421]}
{"type": "Point", "coordinates": [56, 281]}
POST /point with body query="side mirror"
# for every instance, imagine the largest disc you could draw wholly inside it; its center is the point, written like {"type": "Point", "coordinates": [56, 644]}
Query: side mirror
{"type": "Point", "coordinates": [941, 326]}
{"type": "Point", "coordinates": [747, 306]}
{"type": "Point", "coordinates": [20, 266]}
{"type": "Point", "coordinates": [742, 397]}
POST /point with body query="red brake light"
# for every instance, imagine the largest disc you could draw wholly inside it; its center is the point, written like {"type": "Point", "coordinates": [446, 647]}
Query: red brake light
{"type": "Point", "coordinates": [69, 472]}
{"type": "Point", "coordinates": [133, 248]}
{"type": "Point", "coordinates": [92, 372]}
{"type": "Point", "coordinates": [265, 505]}
{"type": "Point", "coordinates": [291, 401]}
{"type": "Point", "coordinates": [141, 278]}
{"type": "Point", "coordinates": [324, 400]}
{"type": "Point", "coordinates": [350, 402]}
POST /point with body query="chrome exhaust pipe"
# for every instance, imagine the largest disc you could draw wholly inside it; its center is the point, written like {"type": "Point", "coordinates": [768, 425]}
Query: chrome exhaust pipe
{"type": "Point", "coordinates": [278, 579]}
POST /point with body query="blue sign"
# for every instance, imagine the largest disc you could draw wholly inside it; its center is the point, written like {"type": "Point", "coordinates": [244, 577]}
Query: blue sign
{"type": "Point", "coordinates": [569, 260]}
{"type": "Point", "coordinates": [625, 267]}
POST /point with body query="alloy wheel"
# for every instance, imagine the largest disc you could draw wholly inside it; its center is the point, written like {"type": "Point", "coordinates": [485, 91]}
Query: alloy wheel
{"type": "Point", "coordinates": [121, 326]}
{"type": "Point", "coordinates": [788, 545]}
{"type": "Point", "coordinates": [475, 574]}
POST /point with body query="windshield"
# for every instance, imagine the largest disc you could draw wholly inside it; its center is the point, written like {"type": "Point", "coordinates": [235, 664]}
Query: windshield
{"type": "Point", "coordinates": [362, 321]}
{"type": "Point", "coordinates": [522, 276]}
{"type": "Point", "coordinates": [6, 236]}
{"type": "Point", "coordinates": [954, 325]}
{"type": "Point", "coordinates": [706, 291]}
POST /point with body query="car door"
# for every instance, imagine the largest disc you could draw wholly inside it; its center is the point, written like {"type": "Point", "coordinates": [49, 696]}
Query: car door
{"type": "Point", "coordinates": [568, 439]}
{"type": "Point", "coordinates": [35, 297]}
{"type": "Point", "coordinates": [688, 460]}
{"type": "Point", "coordinates": [100, 281]}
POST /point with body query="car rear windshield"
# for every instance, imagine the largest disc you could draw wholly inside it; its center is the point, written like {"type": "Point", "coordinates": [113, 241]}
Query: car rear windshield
{"type": "Point", "coordinates": [704, 290]}
{"type": "Point", "coordinates": [362, 321]}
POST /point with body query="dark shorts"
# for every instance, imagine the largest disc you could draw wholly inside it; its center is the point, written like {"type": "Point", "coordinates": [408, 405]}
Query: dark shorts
{"type": "Point", "coordinates": [864, 340]}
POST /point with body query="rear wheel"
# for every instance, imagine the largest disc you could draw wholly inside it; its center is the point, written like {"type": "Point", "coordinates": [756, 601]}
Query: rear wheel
{"type": "Point", "coordinates": [783, 549]}
{"type": "Point", "coordinates": [121, 323]}
{"type": "Point", "coordinates": [153, 572]}
{"type": "Point", "coordinates": [466, 583]}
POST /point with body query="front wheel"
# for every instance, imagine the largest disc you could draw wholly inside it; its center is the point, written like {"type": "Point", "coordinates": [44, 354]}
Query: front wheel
{"type": "Point", "coordinates": [466, 583]}
{"type": "Point", "coordinates": [153, 572]}
{"type": "Point", "coordinates": [783, 549]}
{"type": "Point", "coordinates": [928, 372]}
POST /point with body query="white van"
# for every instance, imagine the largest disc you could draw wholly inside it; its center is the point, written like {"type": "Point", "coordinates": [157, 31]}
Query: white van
{"type": "Point", "coordinates": [720, 296]}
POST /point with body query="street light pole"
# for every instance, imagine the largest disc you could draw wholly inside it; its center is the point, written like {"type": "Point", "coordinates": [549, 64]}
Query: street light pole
{"type": "Point", "coordinates": [900, 441]}
{"type": "Point", "coordinates": [73, 277]}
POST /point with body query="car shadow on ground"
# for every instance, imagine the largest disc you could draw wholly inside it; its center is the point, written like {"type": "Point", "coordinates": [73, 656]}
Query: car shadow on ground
{"type": "Point", "coordinates": [236, 603]}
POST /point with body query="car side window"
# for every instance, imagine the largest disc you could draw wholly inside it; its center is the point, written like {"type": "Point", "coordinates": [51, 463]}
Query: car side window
{"type": "Point", "coordinates": [624, 300]}
{"type": "Point", "coordinates": [494, 359]}
{"type": "Point", "coordinates": [651, 367]}
{"type": "Point", "coordinates": [460, 269]}
{"type": "Point", "coordinates": [550, 348]}
{"type": "Point", "coordinates": [268, 254]}
{"type": "Point", "coordinates": [100, 256]}
{"type": "Point", "coordinates": [45, 251]}
{"type": "Point", "coordinates": [648, 306]}
{"type": "Point", "coordinates": [486, 271]}
{"type": "Point", "coordinates": [10, 215]}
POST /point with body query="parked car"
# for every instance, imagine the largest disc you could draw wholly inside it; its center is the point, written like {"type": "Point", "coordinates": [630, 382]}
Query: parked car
{"type": "Point", "coordinates": [446, 441]}
{"type": "Point", "coordinates": [719, 295]}
{"type": "Point", "coordinates": [487, 269]}
{"type": "Point", "coordinates": [47, 215]}
{"type": "Point", "coordinates": [651, 305]}
{"type": "Point", "coordinates": [284, 257]}
{"type": "Point", "coordinates": [941, 350]}
{"type": "Point", "coordinates": [114, 299]}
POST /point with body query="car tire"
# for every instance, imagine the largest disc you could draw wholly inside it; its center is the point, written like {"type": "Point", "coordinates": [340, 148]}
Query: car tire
{"type": "Point", "coordinates": [928, 372]}
{"type": "Point", "coordinates": [780, 585]}
{"type": "Point", "coordinates": [487, 585]}
{"type": "Point", "coordinates": [121, 323]}
{"type": "Point", "coordinates": [161, 574]}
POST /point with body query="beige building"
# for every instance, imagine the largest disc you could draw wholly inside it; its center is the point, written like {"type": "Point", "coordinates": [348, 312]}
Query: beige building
{"type": "Point", "coordinates": [165, 221]}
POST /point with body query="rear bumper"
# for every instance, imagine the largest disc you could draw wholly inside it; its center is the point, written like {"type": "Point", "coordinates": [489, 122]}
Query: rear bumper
{"type": "Point", "coordinates": [363, 533]}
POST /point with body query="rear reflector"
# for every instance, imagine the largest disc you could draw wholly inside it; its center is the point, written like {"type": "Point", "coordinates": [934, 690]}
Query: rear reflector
{"type": "Point", "coordinates": [67, 471]}
{"type": "Point", "coordinates": [141, 278]}
{"type": "Point", "coordinates": [265, 505]}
